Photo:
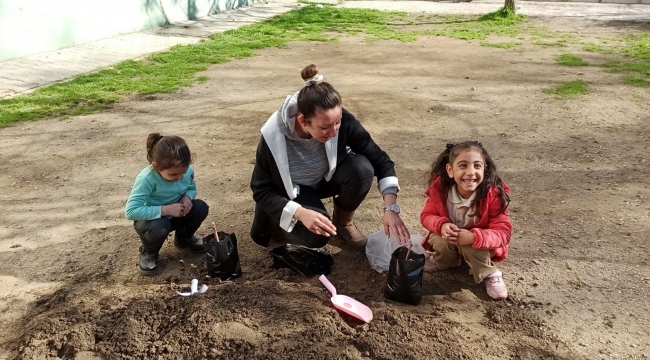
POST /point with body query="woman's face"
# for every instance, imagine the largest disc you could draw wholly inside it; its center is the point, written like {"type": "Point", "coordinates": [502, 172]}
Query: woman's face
{"type": "Point", "coordinates": [324, 125]}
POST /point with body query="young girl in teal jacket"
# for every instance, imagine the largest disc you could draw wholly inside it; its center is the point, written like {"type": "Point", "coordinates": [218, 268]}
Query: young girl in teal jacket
{"type": "Point", "coordinates": [163, 199]}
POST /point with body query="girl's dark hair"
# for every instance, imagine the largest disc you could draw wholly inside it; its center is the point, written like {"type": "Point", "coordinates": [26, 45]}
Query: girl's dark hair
{"type": "Point", "coordinates": [319, 96]}
{"type": "Point", "coordinates": [490, 176]}
{"type": "Point", "coordinates": [168, 151]}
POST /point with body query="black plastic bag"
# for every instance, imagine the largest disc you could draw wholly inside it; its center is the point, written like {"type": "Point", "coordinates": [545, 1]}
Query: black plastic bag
{"type": "Point", "coordinates": [222, 257]}
{"type": "Point", "coordinates": [404, 283]}
{"type": "Point", "coordinates": [306, 261]}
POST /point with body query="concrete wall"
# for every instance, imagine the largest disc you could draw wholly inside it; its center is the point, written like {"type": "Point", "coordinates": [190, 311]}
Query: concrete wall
{"type": "Point", "coordinates": [33, 26]}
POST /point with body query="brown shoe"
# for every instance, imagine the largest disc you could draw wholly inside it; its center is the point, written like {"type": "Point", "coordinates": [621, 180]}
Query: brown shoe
{"type": "Point", "coordinates": [347, 229]}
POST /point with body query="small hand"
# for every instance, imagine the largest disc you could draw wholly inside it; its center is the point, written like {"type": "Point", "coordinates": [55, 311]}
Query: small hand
{"type": "Point", "coordinates": [187, 203]}
{"type": "Point", "coordinates": [449, 233]}
{"type": "Point", "coordinates": [392, 221]}
{"type": "Point", "coordinates": [173, 210]}
{"type": "Point", "coordinates": [466, 237]}
{"type": "Point", "coordinates": [315, 222]}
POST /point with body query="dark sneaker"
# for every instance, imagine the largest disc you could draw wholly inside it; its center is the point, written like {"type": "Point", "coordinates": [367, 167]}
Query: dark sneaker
{"type": "Point", "coordinates": [192, 244]}
{"type": "Point", "coordinates": [148, 263]}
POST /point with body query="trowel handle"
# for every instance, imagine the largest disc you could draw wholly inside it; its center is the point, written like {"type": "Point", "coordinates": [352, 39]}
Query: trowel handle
{"type": "Point", "coordinates": [327, 284]}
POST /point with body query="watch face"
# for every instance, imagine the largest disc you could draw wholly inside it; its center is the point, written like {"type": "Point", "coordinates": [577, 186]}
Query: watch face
{"type": "Point", "coordinates": [394, 208]}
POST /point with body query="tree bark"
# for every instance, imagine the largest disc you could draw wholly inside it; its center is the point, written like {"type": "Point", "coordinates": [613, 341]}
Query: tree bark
{"type": "Point", "coordinates": [510, 4]}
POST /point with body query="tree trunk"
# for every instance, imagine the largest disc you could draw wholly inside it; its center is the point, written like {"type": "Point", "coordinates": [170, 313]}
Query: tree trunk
{"type": "Point", "coordinates": [510, 4]}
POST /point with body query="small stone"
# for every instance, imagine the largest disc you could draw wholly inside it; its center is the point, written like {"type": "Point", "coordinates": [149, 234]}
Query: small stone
{"type": "Point", "coordinates": [466, 77]}
{"type": "Point", "coordinates": [473, 88]}
{"type": "Point", "coordinates": [14, 183]}
{"type": "Point", "coordinates": [536, 262]}
{"type": "Point", "coordinates": [14, 246]}
{"type": "Point", "coordinates": [628, 234]}
{"type": "Point", "coordinates": [580, 73]}
{"type": "Point", "coordinates": [415, 87]}
{"type": "Point", "coordinates": [122, 175]}
{"type": "Point", "coordinates": [103, 227]}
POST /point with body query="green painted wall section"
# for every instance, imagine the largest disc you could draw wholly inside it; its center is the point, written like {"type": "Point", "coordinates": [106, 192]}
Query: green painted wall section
{"type": "Point", "coordinates": [34, 26]}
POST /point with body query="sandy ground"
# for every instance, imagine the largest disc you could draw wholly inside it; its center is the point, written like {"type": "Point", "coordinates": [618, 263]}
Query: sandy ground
{"type": "Point", "coordinates": [577, 271]}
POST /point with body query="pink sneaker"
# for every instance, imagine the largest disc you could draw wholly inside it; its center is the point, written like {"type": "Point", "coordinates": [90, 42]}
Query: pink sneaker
{"type": "Point", "coordinates": [495, 286]}
{"type": "Point", "coordinates": [430, 263]}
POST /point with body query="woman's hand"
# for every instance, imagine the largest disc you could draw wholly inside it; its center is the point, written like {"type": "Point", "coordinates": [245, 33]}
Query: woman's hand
{"type": "Point", "coordinates": [449, 233]}
{"type": "Point", "coordinates": [466, 238]}
{"type": "Point", "coordinates": [173, 210]}
{"type": "Point", "coordinates": [393, 221]}
{"type": "Point", "coordinates": [187, 204]}
{"type": "Point", "coordinates": [315, 222]}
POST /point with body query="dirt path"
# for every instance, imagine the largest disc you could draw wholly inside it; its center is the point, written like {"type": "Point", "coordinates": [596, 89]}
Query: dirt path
{"type": "Point", "coordinates": [578, 269]}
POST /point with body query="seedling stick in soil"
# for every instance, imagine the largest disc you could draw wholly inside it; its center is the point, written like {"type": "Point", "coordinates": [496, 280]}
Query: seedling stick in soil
{"type": "Point", "coordinates": [216, 236]}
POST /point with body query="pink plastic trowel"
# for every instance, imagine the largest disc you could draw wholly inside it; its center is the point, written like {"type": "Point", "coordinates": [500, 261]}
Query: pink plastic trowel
{"type": "Point", "coordinates": [347, 304]}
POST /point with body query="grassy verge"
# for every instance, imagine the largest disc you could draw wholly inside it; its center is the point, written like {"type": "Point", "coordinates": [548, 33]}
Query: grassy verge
{"type": "Point", "coordinates": [167, 72]}
{"type": "Point", "coordinates": [572, 89]}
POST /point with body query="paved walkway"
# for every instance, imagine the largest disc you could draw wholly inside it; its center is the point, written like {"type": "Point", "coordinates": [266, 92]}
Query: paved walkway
{"type": "Point", "coordinates": [21, 76]}
{"type": "Point", "coordinates": [24, 75]}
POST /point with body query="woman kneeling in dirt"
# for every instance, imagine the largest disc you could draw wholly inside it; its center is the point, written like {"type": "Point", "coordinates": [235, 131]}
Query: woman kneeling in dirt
{"type": "Point", "coordinates": [302, 158]}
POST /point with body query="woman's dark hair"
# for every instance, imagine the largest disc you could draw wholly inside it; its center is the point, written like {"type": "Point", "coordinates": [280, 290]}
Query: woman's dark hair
{"type": "Point", "coordinates": [490, 176]}
{"type": "Point", "coordinates": [168, 151]}
{"type": "Point", "coordinates": [316, 97]}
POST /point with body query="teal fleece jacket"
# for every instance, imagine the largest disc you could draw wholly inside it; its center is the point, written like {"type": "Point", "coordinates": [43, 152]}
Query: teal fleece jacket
{"type": "Point", "coordinates": [150, 192]}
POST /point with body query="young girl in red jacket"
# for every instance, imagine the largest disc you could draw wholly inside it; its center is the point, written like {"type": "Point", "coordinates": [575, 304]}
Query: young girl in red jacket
{"type": "Point", "coordinates": [466, 215]}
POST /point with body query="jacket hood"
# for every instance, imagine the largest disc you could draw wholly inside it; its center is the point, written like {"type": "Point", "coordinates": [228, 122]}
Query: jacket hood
{"type": "Point", "coordinates": [287, 114]}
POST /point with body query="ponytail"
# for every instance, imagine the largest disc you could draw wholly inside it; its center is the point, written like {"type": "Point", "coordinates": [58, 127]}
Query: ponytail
{"type": "Point", "coordinates": [152, 140]}
{"type": "Point", "coordinates": [168, 151]}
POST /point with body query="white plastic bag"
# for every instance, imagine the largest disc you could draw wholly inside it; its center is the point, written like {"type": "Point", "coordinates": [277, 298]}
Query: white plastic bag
{"type": "Point", "coordinates": [380, 248]}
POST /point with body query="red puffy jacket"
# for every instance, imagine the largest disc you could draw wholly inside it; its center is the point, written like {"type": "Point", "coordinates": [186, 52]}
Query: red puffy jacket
{"type": "Point", "coordinates": [492, 231]}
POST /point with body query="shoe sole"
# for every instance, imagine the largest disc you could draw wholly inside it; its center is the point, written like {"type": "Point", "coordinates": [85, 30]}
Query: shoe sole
{"type": "Point", "coordinates": [180, 247]}
{"type": "Point", "coordinates": [149, 272]}
{"type": "Point", "coordinates": [497, 297]}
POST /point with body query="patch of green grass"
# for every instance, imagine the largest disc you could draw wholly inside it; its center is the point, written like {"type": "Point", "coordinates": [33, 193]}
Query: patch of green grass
{"type": "Point", "coordinates": [572, 89]}
{"type": "Point", "coordinates": [501, 45]}
{"type": "Point", "coordinates": [500, 23]}
{"type": "Point", "coordinates": [612, 67]}
{"type": "Point", "coordinates": [642, 68]}
{"type": "Point", "coordinates": [505, 17]}
{"type": "Point", "coordinates": [635, 81]}
{"type": "Point", "coordinates": [591, 47]}
{"type": "Point", "coordinates": [560, 43]}
{"type": "Point", "coordinates": [637, 47]}
{"type": "Point", "coordinates": [570, 60]}
{"type": "Point", "coordinates": [167, 72]}
{"type": "Point", "coordinates": [202, 79]}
